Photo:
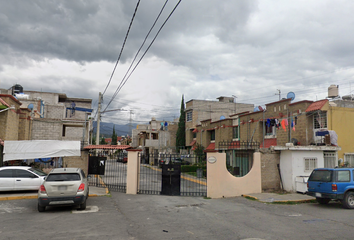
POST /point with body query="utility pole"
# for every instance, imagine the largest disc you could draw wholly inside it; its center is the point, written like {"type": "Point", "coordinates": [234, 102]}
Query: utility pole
{"type": "Point", "coordinates": [130, 123]}
{"type": "Point", "coordinates": [279, 93]}
{"type": "Point", "coordinates": [98, 118]}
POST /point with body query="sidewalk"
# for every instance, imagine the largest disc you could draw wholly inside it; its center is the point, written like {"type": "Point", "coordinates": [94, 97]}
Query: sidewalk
{"type": "Point", "coordinates": [280, 198]}
{"type": "Point", "coordinates": [94, 192]}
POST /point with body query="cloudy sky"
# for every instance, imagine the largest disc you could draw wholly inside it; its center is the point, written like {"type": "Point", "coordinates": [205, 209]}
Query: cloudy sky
{"type": "Point", "coordinates": [247, 48]}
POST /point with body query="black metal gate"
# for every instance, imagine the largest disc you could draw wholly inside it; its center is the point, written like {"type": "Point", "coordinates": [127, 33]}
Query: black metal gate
{"type": "Point", "coordinates": [171, 179]}
{"type": "Point", "coordinates": [111, 173]}
{"type": "Point", "coordinates": [172, 174]}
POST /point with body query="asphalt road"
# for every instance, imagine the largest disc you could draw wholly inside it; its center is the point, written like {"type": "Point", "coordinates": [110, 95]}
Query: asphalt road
{"type": "Point", "coordinates": [122, 216]}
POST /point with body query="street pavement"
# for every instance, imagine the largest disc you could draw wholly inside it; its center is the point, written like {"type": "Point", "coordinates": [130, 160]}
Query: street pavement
{"type": "Point", "coordinates": [117, 215]}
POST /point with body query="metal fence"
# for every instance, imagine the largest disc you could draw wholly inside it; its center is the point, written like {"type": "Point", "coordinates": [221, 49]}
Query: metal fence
{"type": "Point", "coordinates": [115, 174]}
{"type": "Point", "coordinates": [182, 173]}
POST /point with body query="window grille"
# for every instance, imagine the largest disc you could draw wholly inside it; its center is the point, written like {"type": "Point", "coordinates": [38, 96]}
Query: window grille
{"type": "Point", "coordinates": [236, 134]}
{"type": "Point", "coordinates": [189, 116]}
{"type": "Point", "coordinates": [320, 120]}
{"type": "Point", "coordinates": [349, 158]}
{"type": "Point", "coordinates": [310, 164]}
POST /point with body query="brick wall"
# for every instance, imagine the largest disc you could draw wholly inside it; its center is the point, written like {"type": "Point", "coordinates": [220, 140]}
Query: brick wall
{"type": "Point", "coordinates": [46, 129]}
{"type": "Point", "coordinates": [269, 170]}
{"type": "Point", "coordinates": [77, 162]}
{"type": "Point", "coordinates": [54, 111]}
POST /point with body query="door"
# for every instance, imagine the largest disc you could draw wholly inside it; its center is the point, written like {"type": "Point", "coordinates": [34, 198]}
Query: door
{"type": "Point", "coordinates": [7, 180]}
{"type": "Point", "coordinates": [171, 179]}
{"type": "Point", "coordinates": [26, 180]}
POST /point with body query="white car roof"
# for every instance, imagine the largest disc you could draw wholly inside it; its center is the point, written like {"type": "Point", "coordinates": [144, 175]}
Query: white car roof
{"type": "Point", "coordinates": [15, 167]}
{"type": "Point", "coordinates": [65, 170]}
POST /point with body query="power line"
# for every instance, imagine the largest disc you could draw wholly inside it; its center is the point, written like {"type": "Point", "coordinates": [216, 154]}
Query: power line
{"type": "Point", "coordinates": [125, 39]}
{"type": "Point", "coordinates": [123, 82]}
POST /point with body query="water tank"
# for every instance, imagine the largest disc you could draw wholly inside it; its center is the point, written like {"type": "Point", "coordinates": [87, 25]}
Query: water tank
{"type": "Point", "coordinates": [17, 88]}
{"type": "Point", "coordinates": [333, 91]}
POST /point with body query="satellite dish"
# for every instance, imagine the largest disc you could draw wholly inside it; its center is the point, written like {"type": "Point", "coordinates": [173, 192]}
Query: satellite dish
{"type": "Point", "coordinates": [30, 106]}
{"type": "Point", "coordinates": [291, 95]}
{"type": "Point", "coordinates": [222, 117]}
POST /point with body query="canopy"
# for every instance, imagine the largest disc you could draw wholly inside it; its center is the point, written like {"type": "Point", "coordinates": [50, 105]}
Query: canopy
{"type": "Point", "coordinates": [17, 150]}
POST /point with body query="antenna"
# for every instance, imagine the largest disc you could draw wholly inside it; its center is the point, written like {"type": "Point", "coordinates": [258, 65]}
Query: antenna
{"type": "Point", "coordinates": [291, 95]}
{"type": "Point", "coordinates": [279, 93]}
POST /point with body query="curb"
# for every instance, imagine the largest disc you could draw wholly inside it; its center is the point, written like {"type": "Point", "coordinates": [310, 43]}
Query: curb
{"type": "Point", "coordinates": [36, 196]}
{"type": "Point", "coordinates": [280, 201]}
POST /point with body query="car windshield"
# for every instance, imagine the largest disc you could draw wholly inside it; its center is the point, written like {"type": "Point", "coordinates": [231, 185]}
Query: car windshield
{"type": "Point", "coordinates": [321, 176]}
{"type": "Point", "coordinates": [63, 177]}
{"type": "Point", "coordinates": [38, 172]}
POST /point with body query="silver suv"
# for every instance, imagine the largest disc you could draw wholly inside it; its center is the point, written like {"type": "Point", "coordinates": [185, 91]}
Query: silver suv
{"type": "Point", "coordinates": [63, 187]}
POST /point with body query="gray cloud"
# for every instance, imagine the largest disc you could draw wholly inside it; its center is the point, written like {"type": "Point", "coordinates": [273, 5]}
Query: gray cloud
{"type": "Point", "coordinates": [247, 48]}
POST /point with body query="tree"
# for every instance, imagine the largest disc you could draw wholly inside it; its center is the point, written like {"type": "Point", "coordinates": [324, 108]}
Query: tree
{"type": "Point", "coordinates": [181, 131]}
{"type": "Point", "coordinates": [102, 141]}
{"type": "Point", "coordinates": [114, 137]}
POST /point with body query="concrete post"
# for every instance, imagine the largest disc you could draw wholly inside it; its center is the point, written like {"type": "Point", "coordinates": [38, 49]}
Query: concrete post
{"type": "Point", "coordinates": [133, 170]}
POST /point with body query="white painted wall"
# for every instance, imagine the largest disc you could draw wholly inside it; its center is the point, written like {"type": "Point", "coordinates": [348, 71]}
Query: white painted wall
{"type": "Point", "coordinates": [292, 164]}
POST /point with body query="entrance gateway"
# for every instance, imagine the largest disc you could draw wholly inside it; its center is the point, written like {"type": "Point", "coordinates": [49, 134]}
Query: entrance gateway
{"type": "Point", "coordinates": [159, 174]}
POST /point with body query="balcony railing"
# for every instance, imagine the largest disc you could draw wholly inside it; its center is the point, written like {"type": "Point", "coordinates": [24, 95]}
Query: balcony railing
{"type": "Point", "coordinates": [237, 145]}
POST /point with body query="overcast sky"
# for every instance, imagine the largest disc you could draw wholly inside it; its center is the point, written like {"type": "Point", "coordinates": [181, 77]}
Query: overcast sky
{"type": "Point", "coordinates": [247, 48]}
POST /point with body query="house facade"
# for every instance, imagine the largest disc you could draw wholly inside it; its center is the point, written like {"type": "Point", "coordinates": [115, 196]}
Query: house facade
{"type": "Point", "coordinates": [155, 137]}
{"type": "Point", "coordinates": [57, 117]}
{"type": "Point", "coordinates": [198, 111]}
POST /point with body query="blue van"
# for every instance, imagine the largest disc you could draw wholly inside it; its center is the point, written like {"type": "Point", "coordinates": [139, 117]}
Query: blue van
{"type": "Point", "coordinates": [326, 184]}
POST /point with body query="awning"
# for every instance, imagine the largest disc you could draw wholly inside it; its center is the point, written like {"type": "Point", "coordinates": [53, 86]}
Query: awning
{"type": "Point", "coordinates": [17, 150]}
{"type": "Point", "coordinates": [193, 142]}
{"type": "Point", "coordinates": [211, 147]}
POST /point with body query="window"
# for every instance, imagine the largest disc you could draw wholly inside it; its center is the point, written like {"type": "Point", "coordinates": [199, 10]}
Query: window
{"type": "Point", "coordinates": [349, 158]}
{"type": "Point", "coordinates": [310, 164]}
{"type": "Point", "coordinates": [189, 116]}
{"type": "Point", "coordinates": [236, 132]}
{"type": "Point", "coordinates": [7, 173]}
{"type": "Point", "coordinates": [320, 120]}
{"type": "Point", "coordinates": [212, 135]}
{"type": "Point", "coordinates": [63, 177]}
{"type": "Point", "coordinates": [329, 159]}
{"type": "Point", "coordinates": [24, 174]}
{"type": "Point", "coordinates": [275, 109]}
{"type": "Point", "coordinates": [285, 107]}
{"type": "Point", "coordinates": [269, 130]}
{"type": "Point", "coordinates": [194, 135]}
{"type": "Point", "coordinates": [343, 176]}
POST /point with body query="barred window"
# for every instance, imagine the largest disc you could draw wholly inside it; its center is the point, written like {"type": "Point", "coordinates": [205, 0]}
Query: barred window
{"type": "Point", "coordinates": [212, 135]}
{"type": "Point", "coordinates": [236, 132]}
{"type": "Point", "coordinates": [320, 120]}
{"type": "Point", "coordinates": [189, 116]}
{"type": "Point", "coordinates": [310, 164]}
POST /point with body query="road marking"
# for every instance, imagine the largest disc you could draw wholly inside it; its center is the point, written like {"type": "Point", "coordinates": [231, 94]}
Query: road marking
{"type": "Point", "coordinates": [89, 209]}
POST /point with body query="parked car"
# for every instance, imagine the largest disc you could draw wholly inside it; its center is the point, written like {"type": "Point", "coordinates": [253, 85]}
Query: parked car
{"type": "Point", "coordinates": [122, 158]}
{"type": "Point", "coordinates": [328, 184]}
{"type": "Point", "coordinates": [64, 186]}
{"type": "Point", "coordinates": [18, 178]}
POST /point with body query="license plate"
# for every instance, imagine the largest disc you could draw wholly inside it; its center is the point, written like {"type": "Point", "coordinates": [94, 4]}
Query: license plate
{"type": "Point", "coordinates": [62, 188]}
{"type": "Point", "coordinates": [318, 194]}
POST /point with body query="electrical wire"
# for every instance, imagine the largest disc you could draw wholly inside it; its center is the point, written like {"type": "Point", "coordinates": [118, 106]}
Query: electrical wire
{"type": "Point", "coordinates": [121, 51]}
{"type": "Point", "coordinates": [123, 82]}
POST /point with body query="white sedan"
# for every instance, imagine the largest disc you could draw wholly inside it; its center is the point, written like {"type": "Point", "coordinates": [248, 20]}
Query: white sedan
{"type": "Point", "coordinates": [18, 178]}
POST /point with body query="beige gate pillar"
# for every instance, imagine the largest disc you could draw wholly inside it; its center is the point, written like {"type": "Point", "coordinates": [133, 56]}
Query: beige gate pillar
{"type": "Point", "coordinates": [221, 183]}
{"type": "Point", "coordinates": [133, 169]}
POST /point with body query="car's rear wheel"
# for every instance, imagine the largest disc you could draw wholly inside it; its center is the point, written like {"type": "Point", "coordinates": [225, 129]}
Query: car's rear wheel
{"type": "Point", "coordinates": [41, 208]}
{"type": "Point", "coordinates": [323, 200]}
{"type": "Point", "coordinates": [82, 206]}
{"type": "Point", "coordinates": [348, 201]}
